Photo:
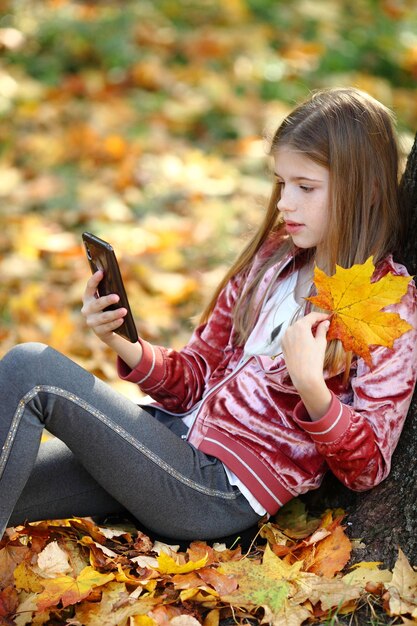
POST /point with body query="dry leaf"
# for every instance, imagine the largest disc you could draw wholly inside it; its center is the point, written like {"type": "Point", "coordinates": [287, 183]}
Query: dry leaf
{"type": "Point", "coordinates": [8, 601]}
{"type": "Point", "coordinates": [328, 556]}
{"type": "Point", "coordinates": [403, 588]}
{"type": "Point", "coordinates": [184, 620]}
{"type": "Point", "coordinates": [10, 557]}
{"type": "Point", "coordinates": [69, 590]}
{"type": "Point", "coordinates": [330, 594]}
{"type": "Point", "coordinates": [367, 572]}
{"type": "Point", "coordinates": [263, 584]}
{"type": "Point", "coordinates": [167, 565]}
{"type": "Point", "coordinates": [26, 579]}
{"type": "Point", "coordinates": [294, 520]}
{"type": "Point", "coordinates": [25, 610]}
{"type": "Point", "coordinates": [115, 607]}
{"type": "Point", "coordinates": [53, 561]}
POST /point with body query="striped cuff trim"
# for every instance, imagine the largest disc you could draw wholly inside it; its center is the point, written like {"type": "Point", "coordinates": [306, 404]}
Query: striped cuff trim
{"type": "Point", "coordinates": [328, 428]}
{"type": "Point", "coordinates": [152, 367]}
{"type": "Point", "coordinates": [145, 368]}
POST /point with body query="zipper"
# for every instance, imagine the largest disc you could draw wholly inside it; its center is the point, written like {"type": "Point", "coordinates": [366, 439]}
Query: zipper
{"type": "Point", "coordinates": [213, 390]}
{"type": "Point", "coordinates": [284, 262]}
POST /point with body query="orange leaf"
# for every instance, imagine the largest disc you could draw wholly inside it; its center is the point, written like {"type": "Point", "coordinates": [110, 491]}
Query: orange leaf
{"type": "Point", "coordinates": [357, 304]}
{"type": "Point", "coordinates": [329, 556]}
{"type": "Point", "coordinates": [220, 582]}
{"type": "Point", "coordinates": [8, 602]}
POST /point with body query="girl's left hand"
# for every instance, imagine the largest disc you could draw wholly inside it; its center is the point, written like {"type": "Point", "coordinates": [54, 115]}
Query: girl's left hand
{"type": "Point", "coordinates": [304, 346]}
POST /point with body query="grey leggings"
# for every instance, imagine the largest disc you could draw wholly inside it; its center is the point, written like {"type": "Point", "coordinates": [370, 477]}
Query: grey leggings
{"type": "Point", "coordinates": [109, 455]}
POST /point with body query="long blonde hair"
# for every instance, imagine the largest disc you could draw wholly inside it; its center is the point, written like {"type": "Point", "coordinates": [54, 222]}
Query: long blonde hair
{"type": "Point", "coordinates": [352, 135]}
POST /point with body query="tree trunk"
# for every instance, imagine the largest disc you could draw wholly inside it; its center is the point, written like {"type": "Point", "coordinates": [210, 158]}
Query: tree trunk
{"type": "Point", "coordinates": [385, 518]}
{"type": "Point", "coordinates": [408, 190]}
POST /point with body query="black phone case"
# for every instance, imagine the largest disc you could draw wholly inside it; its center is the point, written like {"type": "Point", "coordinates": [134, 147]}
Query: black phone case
{"type": "Point", "coordinates": [101, 256]}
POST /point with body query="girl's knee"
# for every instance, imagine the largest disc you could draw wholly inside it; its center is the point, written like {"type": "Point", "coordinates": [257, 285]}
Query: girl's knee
{"type": "Point", "coordinates": [24, 355]}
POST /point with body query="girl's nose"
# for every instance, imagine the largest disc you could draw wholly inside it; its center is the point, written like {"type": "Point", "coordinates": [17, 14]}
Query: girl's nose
{"type": "Point", "coordinates": [286, 202]}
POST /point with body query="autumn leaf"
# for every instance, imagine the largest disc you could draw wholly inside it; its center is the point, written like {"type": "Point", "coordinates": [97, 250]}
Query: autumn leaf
{"type": "Point", "coordinates": [281, 589]}
{"type": "Point", "coordinates": [263, 584]}
{"type": "Point", "coordinates": [403, 588]}
{"type": "Point", "coordinates": [330, 593]}
{"type": "Point", "coordinates": [167, 565]}
{"type": "Point", "coordinates": [25, 610]}
{"type": "Point", "coordinates": [294, 520]}
{"type": "Point", "coordinates": [116, 607]}
{"type": "Point", "coordinates": [25, 578]}
{"type": "Point", "coordinates": [10, 557]}
{"type": "Point", "coordinates": [221, 583]}
{"type": "Point", "coordinates": [328, 556]}
{"type": "Point", "coordinates": [356, 304]}
{"type": "Point", "coordinates": [8, 601]}
{"type": "Point", "coordinates": [71, 590]}
{"type": "Point", "coordinates": [367, 572]}
{"type": "Point", "coordinates": [53, 560]}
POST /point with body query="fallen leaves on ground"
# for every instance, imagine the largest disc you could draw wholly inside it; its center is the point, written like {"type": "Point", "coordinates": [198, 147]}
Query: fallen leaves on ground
{"type": "Point", "coordinates": [357, 305]}
{"type": "Point", "coordinates": [77, 572]}
{"type": "Point", "coordinates": [401, 596]}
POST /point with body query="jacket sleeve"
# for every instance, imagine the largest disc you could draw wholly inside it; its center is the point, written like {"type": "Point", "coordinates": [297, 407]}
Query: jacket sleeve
{"type": "Point", "coordinates": [359, 438]}
{"type": "Point", "coordinates": [177, 379]}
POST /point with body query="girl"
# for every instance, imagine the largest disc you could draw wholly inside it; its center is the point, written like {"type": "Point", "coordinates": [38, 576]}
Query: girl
{"type": "Point", "coordinates": [258, 405]}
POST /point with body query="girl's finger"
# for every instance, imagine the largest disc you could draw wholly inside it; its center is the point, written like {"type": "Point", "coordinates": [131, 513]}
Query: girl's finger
{"type": "Point", "coordinates": [92, 283]}
{"type": "Point", "coordinates": [322, 328]}
{"type": "Point", "coordinates": [106, 329]}
{"type": "Point", "coordinates": [94, 306]}
{"type": "Point", "coordinates": [316, 317]}
{"type": "Point", "coordinates": [106, 317]}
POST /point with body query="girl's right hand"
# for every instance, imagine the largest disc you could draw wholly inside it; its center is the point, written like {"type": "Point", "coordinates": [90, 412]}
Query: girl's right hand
{"type": "Point", "coordinates": [102, 322]}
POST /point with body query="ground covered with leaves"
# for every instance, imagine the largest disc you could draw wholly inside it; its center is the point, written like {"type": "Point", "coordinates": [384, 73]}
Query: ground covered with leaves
{"type": "Point", "coordinates": [145, 124]}
{"type": "Point", "coordinates": [77, 572]}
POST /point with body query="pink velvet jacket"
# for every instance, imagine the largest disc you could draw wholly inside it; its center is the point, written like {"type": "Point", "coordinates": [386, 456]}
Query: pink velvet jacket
{"type": "Point", "coordinates": [251, 417]}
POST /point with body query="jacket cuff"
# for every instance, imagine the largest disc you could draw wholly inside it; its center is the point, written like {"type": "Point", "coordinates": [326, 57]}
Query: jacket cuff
{"type": "Point", "coordinates": [329, 427]}
{"type": "Point", "coordinates": [148, 368]}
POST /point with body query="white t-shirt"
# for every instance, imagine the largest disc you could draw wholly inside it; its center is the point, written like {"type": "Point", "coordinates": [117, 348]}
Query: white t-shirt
{"type": "Point", "coordinates": [265, 339]}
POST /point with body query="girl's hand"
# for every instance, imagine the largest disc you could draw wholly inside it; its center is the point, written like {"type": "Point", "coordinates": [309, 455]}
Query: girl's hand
{"type": "Point", "coordinates": [102, 322]}
{"type": "Point", "coordinates": [304, 346]}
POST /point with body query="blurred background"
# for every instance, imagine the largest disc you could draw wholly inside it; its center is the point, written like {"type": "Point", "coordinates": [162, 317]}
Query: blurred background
{"type": "Point", "coordinates": [146, 122]}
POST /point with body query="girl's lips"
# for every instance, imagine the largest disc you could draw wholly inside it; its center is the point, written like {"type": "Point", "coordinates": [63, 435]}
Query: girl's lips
{"type": "Point", "coordinates": [293, 227]}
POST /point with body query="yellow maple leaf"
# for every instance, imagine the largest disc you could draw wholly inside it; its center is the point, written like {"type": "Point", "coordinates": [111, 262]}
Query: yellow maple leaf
{"type": "Point", "coordinates": [282, 589]}
{"type": "Point", "coordinates": [266, 584]}
{"type": "Point", "coordinates": [70, 590]}
{"type": "Point", "coordinates": [357, 304]}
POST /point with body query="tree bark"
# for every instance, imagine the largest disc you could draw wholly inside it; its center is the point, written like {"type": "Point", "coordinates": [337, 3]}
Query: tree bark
{"type": "Point", "coordinates": [407, 253]}
{"type": "Point", "coordinates": [385, 518]}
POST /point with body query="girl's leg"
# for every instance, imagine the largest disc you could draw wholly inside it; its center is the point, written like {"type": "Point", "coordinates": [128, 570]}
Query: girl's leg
{"type": "Point", "coordinates": [162, 480]}
{"type": "Point", "coordinates": [60, 487]}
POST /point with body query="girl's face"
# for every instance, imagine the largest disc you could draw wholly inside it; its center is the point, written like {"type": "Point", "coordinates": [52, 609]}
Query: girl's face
{"type": "Point", "coordinates": [304, 201]}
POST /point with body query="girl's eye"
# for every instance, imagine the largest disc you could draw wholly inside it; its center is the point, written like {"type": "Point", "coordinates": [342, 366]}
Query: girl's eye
{"type": "Point", "coordinates": [306, 189]}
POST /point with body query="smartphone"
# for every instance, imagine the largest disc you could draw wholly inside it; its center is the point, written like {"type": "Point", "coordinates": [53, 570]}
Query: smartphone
{"type": "Point", "coordinates": [101, 256]}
